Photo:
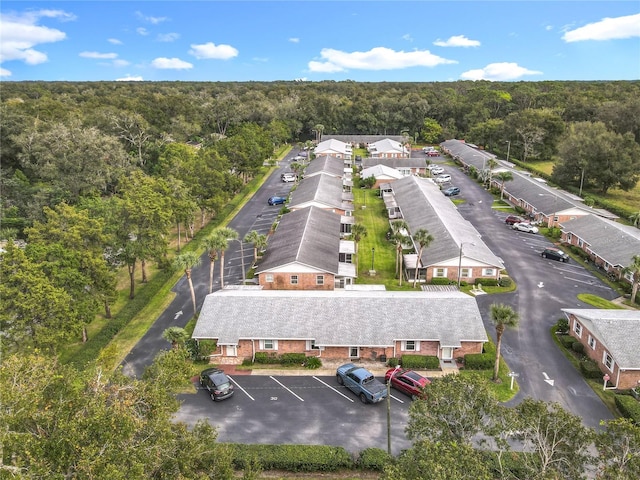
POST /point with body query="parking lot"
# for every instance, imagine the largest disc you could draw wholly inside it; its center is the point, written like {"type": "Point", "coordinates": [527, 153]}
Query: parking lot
{"type": "Point", "coordinates": [305, 409]}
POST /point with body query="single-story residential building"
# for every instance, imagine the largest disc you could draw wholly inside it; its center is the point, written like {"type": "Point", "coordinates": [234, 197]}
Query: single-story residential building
{"type": "Point", "coordinates": [404, 165]}
{"type": "Point", "coordinates": [387, 148]}
{"type": "Point", "coordinates": [610, 245]}
{"type": "Point", "coordinates": [346, 325]}
{"type": "Point", "coordinates": [611, 338]}
{"type": "Point", "coordinates": [381, 173]}
{"type": "Point", "coordinates": [334, 148]}
{"type": "Point", "coordinates": [324, 191]}
{"type": "Point", "coordinates": [307, 252]}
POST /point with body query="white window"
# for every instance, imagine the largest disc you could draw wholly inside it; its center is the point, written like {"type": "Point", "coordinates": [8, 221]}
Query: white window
{"type": "Point", "coordinates": [608, 361]}
{"type": "Point", "coordinates": [354, 352]}
{"type": "Point", "coordinates": [319, 279]}
{"type": "Point", "coordinates": [440, 272]}
{"type": "Point", "coordinates": [592, 342]}
{"type": "Point", "coordinates": [268, 345]}
{"type": "Point", "coordinates": [578, 329]}
{"type": "Point", "coordinates": [294, 279]}
{"type": "Point", "coordinates": [410, 346]}
{"type": "Point", "coordinates": [488, 272]}
{"type": "Point", "coordinates": [268, 278]}
{"type": "Point", "coordinates": [465, 273]}
{"type": "Point", "coordinates": [311, 345]}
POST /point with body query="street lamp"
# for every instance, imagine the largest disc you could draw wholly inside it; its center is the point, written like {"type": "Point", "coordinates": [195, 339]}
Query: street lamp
{"type": "Point", "coordinates": [508, 149]}
{"type": "Point", "coordinates": [460, 260]}
{"type": "Point", "coordinates": [373, 256]}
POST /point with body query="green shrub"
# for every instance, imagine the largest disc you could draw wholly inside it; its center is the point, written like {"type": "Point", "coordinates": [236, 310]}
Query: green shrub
{"type": "Point", "coordinates": [479, 361]}
{"type": "Point", "coordinates": [373, 459]}
{"type": "Point", "coordinates": [562, 325]}
{"type": "Point", "coordinates": [489, 348]}
{"type": "Point", "coordinates": [427, 362]}
{"type": "Point", "coordinates": [440, 281]}
{"type": "Point", "coordinates": [293, 359]}
{"type": "Point", "coordinates": [577, 347]}
{"type": "Point", "coordinates": [590, 369]}
{"type": "Point", "coordinates": [393, 362]}
{"type": "Point", "coordinates": [247, 362]}
{"type": "Point", "coordinates": [567, 341]}
{"type": "Point", "coordinates": [266, 358]}
{"type": "Point", "coordinates": [487, 282]}
{"type": "Point", "coordinates": [312, 363]}
{"type": "Point", "coordinates": [505, 282]}
{"type": "Point", "coordinates": [629, 407]}
{"type": "Point", "coordinates": [292, 458]}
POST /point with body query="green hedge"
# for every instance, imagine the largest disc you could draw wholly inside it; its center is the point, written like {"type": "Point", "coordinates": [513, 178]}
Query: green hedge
{"type": "Point", "coordinates": [266, 358]}
{"type": "Point", "coordinates": [441, 281]}
{"type": "Point", "coordinates": [292, 458]}
{"type": "Point", "coordinates": [293, 358]}
{"type": "Point", "coordinates": [567, 341]}
{"type": "Point", "coordinates": [479, 361]}
{"type": "Point", "coordinates": [487, 282]}
{"type": "Point", "coordinates": [629, 407]}
{"type": "Point", "coordinates": [428, 362]}
{"type": "Point", "coordinates": [590, 369]}
{"type": "Point", "coordinates": [374, 459]}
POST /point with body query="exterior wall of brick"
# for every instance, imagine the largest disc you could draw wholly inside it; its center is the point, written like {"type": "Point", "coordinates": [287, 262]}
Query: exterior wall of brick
{"type": "Point", "coordinates": [306, 281]}
{"type": "Point", "coordinates": [452, 273]}
{"type": "Point", "coordinates": [626, 379]}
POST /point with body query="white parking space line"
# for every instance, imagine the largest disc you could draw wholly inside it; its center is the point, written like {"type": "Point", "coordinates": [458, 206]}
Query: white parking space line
{"type": "Point", "coordinates": [287, 389]}
{"type": "Point", "coordinates": [334, 389]}
{"type": "Point", "coordinates": [397, 399]}
{"type": "Point", "coordinates": [588, 283]}
{"type": "Point", "coordinates": [243, 390]}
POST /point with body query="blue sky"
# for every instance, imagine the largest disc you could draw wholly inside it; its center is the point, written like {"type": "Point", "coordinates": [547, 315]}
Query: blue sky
{"type": "Point", "coordinates": [364, 41]}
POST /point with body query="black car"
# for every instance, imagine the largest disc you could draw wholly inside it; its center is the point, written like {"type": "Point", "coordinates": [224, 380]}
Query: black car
{"type": "Point", "coordinates": [217, 383]}
{"type": "Point", "coordinates": [555, 254]}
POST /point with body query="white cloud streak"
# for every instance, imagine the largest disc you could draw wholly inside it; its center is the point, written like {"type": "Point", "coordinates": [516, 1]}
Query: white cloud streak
{"type": "Point", "coordinates": [164, 63]}
{"type": "Point", "coordinates": [457, 41]}
{"type": "Point", "coordinates": [98, 55]}
{"type": "Point", "coordinates": [210, 50]}
{"type": "Point", "coordinates": [498, 72]}
{"type": "Point", "coordinates": [606, 29]}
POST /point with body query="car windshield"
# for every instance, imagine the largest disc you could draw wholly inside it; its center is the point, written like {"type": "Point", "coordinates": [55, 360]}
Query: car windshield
{"type": "Point", "coordinates": [220, 380]}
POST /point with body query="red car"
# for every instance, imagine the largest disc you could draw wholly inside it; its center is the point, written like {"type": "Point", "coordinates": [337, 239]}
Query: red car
{"type": "Point", "coordinates": [407, 381]}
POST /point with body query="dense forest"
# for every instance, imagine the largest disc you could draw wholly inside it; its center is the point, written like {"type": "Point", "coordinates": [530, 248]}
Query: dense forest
{"type": "Point", "coordinates": [97, 178]}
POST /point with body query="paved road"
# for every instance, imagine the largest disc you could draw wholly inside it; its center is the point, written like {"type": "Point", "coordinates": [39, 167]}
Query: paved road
{"type": "Point", "coordinates": [544, 288]}
{"type": "Point", "coordinates": [255, 215]}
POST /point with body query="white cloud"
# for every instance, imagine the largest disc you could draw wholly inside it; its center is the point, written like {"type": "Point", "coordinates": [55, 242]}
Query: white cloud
{"type": "Point", "coordinates": [457, 41]}
{"type": "Point", "coordinates": [212, 51]}
{"type": "Point", "coordinates": [20, 33]}
{"type": "Point", "coordinates": [171, 64]}
{"type": "Point", "coordinates": [168, 37]}
{"type": "Point", "coordinates": [294, 40]}
{"type": "Point", "coordinates": [129, 78]}
{"type": "Point", "coordinates": [498, 72]}
{"type": "Point", "coordinates": [407, 37]}
{"type": "Point", "coordinates": [606, 29]}
{"type": "Point", "coordinates": [114, 41]}
{"type": "Point", "coordinates": [120, 63]}
{"type": "Point", "coordinates": [142, 31]}
{"type": "Point", "coordinates": [378, 58]}
{"type": "Point", "coordinates": [150, 19]}
{"type": "Point", "coordinates": [4, 72]}
{"type": "Point", "coordinates": [98, 55]}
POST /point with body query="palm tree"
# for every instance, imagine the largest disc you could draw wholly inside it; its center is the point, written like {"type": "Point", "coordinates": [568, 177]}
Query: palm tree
{"type": "Point", "coordinates": [358, 232]}
{"type": "Point", "coordinates": [213, 244]}
{"type": "Point", "coordinates": [297, 169]}
{"type": "Point", "coordinates": [502, 316]}
{"type": "Point", "coordinates": [318, 129]}
{"type": "Point", "coordinates": [634, 270]}
{"type": "Point", "coordinates": [503, 177]}
{"type": "Point", "coordinates": [259, 242]}
{"type": "Point", "coordinates": [398, 227]}
{"type": "Point", "coordinates": [187, 261]}
{"type": "Point", "coordinates": [635, 219]}
{"type": "Point", "coordinates": [175, 335]}
{"type": "Point", "coordinates": [227, 234]}
{"type": "Point", "coordinates": [491, 164]}
{"type": "Point", "coordinates": [423, 238]}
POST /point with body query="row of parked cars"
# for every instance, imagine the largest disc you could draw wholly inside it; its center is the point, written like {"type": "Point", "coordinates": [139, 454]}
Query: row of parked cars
{"type": "Point", "coordinates": [520, 224]}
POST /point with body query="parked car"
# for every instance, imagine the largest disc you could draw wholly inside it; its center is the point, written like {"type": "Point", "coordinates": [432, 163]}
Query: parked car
{"type": "Point", "coordinates": [443, 178]}
{"type": "Point", "coordinates": [555, 254]}
{"type": "Point", "coordinates": [525, 227]}
{"type": "Point", "coordinates": [433, 153]}
{"type": "Point", "coordinates": [437, 170]}
{"type": "Point", "coordinates": [451, 191]}
{"type": "Point", "coordinates": [217, 384]}
{"type": "Point", "coordinates": [407, 381]}
{"type": "Point", "coordinates": [276, 200]}
{"type": "Point", "coordinates": [288, 177]}
{"type": "Point", "coordinates": [299, 158]}
{"type": "Point", "coordinates": [511, 219]}
{"type": "Point", "coordinates": [361, 382]}
{"type": "Point", "coordinates": [428, 149]}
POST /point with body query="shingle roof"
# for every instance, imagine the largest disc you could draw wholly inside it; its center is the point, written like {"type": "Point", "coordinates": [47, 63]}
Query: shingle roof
{"type": "Point", "coordinates": [401, 162]}
{"type": "Point", "coordinates": [340, 318]}
{"type": "Point", "coordinates": [615, 243]}
{"type": "Point", "coordinates": [325, 164]}
{"type": "Point", "coordinates": [617, 330]}
{"type": "Point", "coordinates": [321, 189]}
{"type": "Point", "coordinates": [353, 139]}
{"type": "Point", "coordinates": [333, 145]}
{"type": "Point", "coordinates": [424, 206]}
{"type": "Point", "coordinates": [379, 171]}
{"type": "Point", "coordinates": [309, 236]}
{"type": "Point", "coordinates": [386, 145]}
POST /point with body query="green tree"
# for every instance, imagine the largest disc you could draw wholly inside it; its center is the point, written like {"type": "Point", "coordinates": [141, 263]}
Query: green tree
{"type": "Point", "coordinates": [634, 271]}
{"type": "Point", "coordinates": [258, 240]}
{"type": "Point", "coordinates": [559, 441]}
{"type": "Point", "coordinates": [399, 236]}
{"type": "Point", "coordinates": [427, 460]}
{"type": "Point", "coordinates": [423, 238]}
{"type": "Point", "coordinates": [186, 261]}
{"type": "Point", "coordinates": [635, 219]}
{"type": "Point", "coordinates": [619, 450]}
{"type": "Point", "coordinates": [503, 177]}
{"type": "Point", "coordinates": [455, 409]}
{"type": "Point", "coordinates": [431, 131]}
{"type": "Point", "coordinates": [358, 232]}
{"type": "Point", "coordinates": [502, 316]}
{"type": "Point", "coordinates": [226, 234]}
{"type": "Point", "coordinates": [176, 336]}
{"type": "Point", "coordinates": [213, 244]}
